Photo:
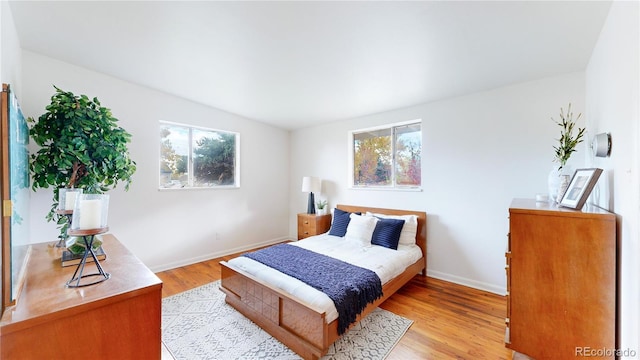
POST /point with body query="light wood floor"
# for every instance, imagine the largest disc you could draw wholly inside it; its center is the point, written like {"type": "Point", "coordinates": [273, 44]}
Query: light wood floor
{"type": "Point", "coordinates": [450, 321]}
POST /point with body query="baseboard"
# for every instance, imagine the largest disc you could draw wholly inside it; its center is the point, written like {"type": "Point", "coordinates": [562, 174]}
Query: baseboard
{"type": "Point", "coordinates": [492, 288]}
{"type": "Point", "coordinates": [214, 255]}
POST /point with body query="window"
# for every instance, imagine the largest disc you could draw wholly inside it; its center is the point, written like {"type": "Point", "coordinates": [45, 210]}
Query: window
{"type": "Point", "coordinates": [387, 157]}
{"type": "Point", "coordinates": [193, 157]}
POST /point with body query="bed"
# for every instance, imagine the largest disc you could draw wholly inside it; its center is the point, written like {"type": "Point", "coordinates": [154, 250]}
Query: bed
{"type": "Point", "coordinates": [305, 323]}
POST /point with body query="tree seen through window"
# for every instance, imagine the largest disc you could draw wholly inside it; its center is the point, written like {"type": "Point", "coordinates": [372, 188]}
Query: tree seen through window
{"type": "Point", "coordinates": [388, 157]}
{"type": "Point", "coordinates": [196, 157]}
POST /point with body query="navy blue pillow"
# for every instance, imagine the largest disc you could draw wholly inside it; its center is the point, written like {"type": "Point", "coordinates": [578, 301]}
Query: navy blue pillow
{"type": "Point", "coordinates": [340, 222]}
{"type": "Point", "coordinates": [387, 233]}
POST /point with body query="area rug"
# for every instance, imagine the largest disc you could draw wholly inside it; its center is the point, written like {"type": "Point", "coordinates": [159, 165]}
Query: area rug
{"type": "Point", "coordinates": [198, 324]}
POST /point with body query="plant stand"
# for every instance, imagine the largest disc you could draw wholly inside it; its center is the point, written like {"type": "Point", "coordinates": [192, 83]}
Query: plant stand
{"type": "Point", "coordinates": [63, 239]}
{"type": "Point", "coordinates": [87, 236]}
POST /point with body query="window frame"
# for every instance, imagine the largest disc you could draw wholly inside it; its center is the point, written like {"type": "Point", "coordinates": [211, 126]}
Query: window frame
{"type": "Point", "coordinates": [394, 186]}
{"type": "Point", "coordinates": [190, 162]}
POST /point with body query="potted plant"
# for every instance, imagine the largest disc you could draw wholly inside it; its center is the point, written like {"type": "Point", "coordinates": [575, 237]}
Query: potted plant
{"type": "Point", "coordinates": [81, 146]}
{"type": "Point", "coordinates": [560, 176]}
{"type": "Point", "coordinates": [322, 207]}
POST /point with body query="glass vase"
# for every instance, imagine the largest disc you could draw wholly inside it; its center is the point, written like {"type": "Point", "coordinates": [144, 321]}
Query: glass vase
{"type": "Point", "coordinates": [90, 212]}
{"type": "Point", "coordinates": [558, 181]}
{"type": "Point", "coordinates": [67, 198]}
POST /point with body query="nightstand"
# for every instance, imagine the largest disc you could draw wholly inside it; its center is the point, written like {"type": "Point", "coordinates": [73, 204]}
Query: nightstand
{"type": "Point", "coordinates": [312, 224]}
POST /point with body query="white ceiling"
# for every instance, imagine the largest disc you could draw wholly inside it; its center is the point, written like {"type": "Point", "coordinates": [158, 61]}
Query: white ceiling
{"type": "Point", "coordinates": [296, 64]}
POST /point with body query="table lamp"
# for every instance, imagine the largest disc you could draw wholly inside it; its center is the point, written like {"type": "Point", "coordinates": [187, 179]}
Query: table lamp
{"type": "Point", "coordinates": [311, 184]}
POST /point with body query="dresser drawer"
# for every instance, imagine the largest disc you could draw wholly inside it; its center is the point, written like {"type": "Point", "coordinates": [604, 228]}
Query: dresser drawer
{"type": "Point", "coordinates": [312, 224]}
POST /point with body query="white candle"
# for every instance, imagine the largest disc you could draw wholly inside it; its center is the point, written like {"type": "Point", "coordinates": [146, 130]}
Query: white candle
{"type": "Point", "coordinates": [70, 200]}
{"type": "Point", "coordinates": [90, 214]}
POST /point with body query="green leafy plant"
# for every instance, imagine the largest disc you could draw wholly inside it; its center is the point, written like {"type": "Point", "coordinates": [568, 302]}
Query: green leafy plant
{"type": "Point", "coordinates": [80, 146]}
{"type": "Point", "coordinates": [321, 204]}
{"type": "Point", "coordinates": [567, 142]}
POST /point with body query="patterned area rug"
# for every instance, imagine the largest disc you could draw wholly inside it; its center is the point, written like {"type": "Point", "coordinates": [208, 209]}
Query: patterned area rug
{"type": "Point", "coordinates": [198, 324]}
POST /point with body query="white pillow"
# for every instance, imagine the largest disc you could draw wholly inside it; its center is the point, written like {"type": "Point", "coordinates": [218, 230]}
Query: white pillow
{"type": "Point", "coordinates": [409, 229]}
{"type": "Point", "coordinates": [360, 229]}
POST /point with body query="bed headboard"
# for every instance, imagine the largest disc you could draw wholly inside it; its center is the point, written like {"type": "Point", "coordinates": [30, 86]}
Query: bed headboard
{"type": "Point", "coordinates": [421, 234]}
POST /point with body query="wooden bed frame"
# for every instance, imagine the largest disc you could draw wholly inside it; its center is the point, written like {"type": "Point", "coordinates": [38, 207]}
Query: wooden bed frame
{"type": "Point", "coordinates": [299, 325]}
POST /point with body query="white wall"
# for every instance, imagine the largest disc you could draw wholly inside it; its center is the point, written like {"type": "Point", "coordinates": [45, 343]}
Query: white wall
{"type": "Point", "coordinates": [612, 95]}
{"type": "Point", "coordinates": [479, 152]}
{"type": "Point", "coordinates": [10, 52]}
{"type": "Point", "coordinates": [166, 229]}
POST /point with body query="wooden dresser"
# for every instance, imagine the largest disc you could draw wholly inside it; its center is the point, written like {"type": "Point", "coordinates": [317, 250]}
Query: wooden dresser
{"type": "Point", "coordinates": [561, 280]}
{"type": "Point", "coordinates": [312, 224]}
{"type": "Point", "coordinates": [119, 318]}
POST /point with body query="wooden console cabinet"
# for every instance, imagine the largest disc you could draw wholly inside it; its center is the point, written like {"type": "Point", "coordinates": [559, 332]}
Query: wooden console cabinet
{"type": "Point", "coordinates": [119, 318]}
{"type": "Point", "coordinates": [561, 280]}
{"type": "Point", "coordinates": [312, 224]}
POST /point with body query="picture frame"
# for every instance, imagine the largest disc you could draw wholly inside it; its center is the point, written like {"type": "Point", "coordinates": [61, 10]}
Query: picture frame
{"type": "Point", "coordinates": [580, 188]}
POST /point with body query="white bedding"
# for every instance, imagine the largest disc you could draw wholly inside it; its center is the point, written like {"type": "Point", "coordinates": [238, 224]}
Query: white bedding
{"type": "Point", "coordinates": [386, 263]}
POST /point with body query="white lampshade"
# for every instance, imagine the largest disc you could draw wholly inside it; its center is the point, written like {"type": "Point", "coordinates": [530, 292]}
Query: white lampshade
{"type": "Point", "coordinates": [310, 184]}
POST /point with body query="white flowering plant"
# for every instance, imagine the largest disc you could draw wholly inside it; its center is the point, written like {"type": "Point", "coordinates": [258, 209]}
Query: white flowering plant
{"type": "Point", "coordinates": [567, 142]}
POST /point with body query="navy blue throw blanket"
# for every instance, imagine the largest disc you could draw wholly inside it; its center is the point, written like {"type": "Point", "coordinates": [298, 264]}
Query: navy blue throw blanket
{"type": "Point", "coordinates": [350, 287]}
